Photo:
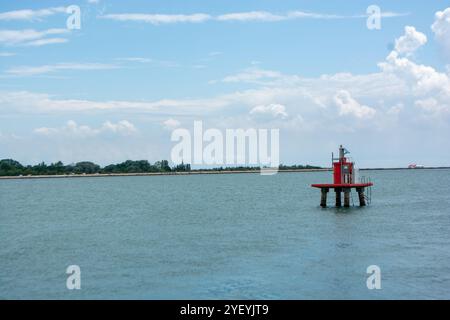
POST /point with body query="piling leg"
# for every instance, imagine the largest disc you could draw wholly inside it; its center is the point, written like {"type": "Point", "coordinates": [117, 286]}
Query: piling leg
{"type": "Point", "coordinates": [338, 197]}
{"type": "Point", "coordinates": [362, 200]}
{"type": "Point", "coordinates": [347, 198]}
{"type": "Point", "coordinates": [323, 199]}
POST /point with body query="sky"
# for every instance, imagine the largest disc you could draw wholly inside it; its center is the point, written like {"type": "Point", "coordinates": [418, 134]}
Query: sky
{"type": "Point", "coordinates": [116, 87]}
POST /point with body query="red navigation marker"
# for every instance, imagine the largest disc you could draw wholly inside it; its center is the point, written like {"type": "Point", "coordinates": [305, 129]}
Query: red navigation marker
{"type": "Point", "coordinates": [344, 180]}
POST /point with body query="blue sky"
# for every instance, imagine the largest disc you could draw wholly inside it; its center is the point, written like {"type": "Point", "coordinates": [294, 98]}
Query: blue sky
{"type": "Point", "coordinates": [136, 70]}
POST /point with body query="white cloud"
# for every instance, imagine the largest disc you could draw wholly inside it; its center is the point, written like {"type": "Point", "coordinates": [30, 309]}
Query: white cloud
{"type": "Point", "coordinates": [431, 105]}
{"type": "Point", "coordinates": [123, 127]}
{"type": "Point", "coordinates": [399, 81]}
{"type": "Point", "coordinates": [396, 91]}
{"type": "Point", "coordinates": [349, 106]}
{"type": "Point", "coordinates": [441, 28]}
{"type": "Point", "coordinates": [390, 14]}
{"type": "Point", "coordinates": [410, 41]}
{"type": "Point", "coordinates": [136, 59]}
{"type": "Point", "coordinates": [72, 129]}
{"type": "Point", "coordinates": [314, 15]}
{"type": "Point", "coordinates": [43, 42]}
{"type": "Point", "coordinates": [252, 75]}
{"type": "Point", "coordinates": [271, 111]}
{"type": "Point", "coordinates": [46, 131]}
{"type": "Point", "coordinates": [37, 70]}
{"type": "Point", "coordinates": [429, 87]}
{"type": "Point", "coordinates": [421, 79]}
{"type": "Point", "coordinates": [393, 102]}
{"type": "Point", "coordinates": [154, 62]}
{"type": "Point", "coordinates": [157, 19]}
{"type": "Point", "coordinates": [325, 16]}
{"type": "Point", "coordinates": [251, 16]}
{"type": "Point", "coordinates": [28, 36]}
{"type": "Point", "coordinates": [262, 16]}
{"type": "Point", "coordinates": [171, 124]}
{"type": "Point", "coordinates": [30, 15]}
{"type": "Point", "coordinates": [28, 102]}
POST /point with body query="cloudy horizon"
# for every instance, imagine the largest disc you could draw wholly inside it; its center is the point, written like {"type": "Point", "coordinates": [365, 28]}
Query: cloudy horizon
{"type": "Point", "coordinates": [115, 88]}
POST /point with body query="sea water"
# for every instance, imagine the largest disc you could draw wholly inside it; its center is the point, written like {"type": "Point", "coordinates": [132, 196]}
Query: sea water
{"type": "Point", "coordinates": [230, 236]}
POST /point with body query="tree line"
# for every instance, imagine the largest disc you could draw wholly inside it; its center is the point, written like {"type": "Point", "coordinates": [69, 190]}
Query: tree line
{"type": "Point", "coordinates": [9, 167]}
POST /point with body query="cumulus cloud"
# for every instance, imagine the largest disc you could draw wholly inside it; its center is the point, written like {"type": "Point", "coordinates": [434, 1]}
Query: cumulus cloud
{"type": "Point", "coordinates": [422, 79]}
{"type": "Point", "coordinates": [429, 87]}
{"type": "Point", "coordinates": [441, 29]}
{"type": "Point", "coordinates": [72, 129]}
{"type": "Point", "coordinates": [122, 127]}
{"type": "Point", "coordinates": [399, 82]}
{"type": "Point", "coordinates": [349, 106]}
{"type": "Point", "coordinates": [433, 106]}
{"type": "Point", "coordinates": [410, 41]}
{"type": "Point", "coordinates": [269, 112]}
{"type": "Point", "coordinates": [171, 124]}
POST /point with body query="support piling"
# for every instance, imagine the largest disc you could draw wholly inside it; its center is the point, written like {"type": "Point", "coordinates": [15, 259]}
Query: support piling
{"type": "Point", "coordinates": [362, 199]}
{"type": "Point", "coordinates": [338, 197]}
{"type": "Point", "coordinates": [346, 198]}
{"type": "Point", "coordinates": [323, 200]}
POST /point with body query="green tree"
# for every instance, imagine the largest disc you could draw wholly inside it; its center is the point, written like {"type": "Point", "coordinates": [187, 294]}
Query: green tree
{"type": "Point", "coordinates": [9, 167]}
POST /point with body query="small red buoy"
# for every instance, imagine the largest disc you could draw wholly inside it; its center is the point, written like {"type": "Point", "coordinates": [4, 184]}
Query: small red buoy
{"type": "Point", "coordinates": [344, 180]}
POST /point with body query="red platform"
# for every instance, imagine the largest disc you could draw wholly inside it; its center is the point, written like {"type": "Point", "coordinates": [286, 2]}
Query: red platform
{"type": "Point", "coordinates": [342, 185]}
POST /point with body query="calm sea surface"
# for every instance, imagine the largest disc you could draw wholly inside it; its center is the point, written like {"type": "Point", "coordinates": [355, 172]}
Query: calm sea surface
{"type": "Point", "coordinates": [237, 236]}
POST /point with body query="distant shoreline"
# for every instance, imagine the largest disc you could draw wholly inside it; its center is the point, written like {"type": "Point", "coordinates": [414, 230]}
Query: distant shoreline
{"type": "Point", "coordinates": [409, 169]}
{"type": "Point", "coordinates": [200, 172]}
{"type": "Point", "coordinates": [144, 174]}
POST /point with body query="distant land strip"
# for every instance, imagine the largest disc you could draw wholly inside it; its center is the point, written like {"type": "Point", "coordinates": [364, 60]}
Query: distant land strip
{"type": "Point", "coordinates": [404, 168]}
{"type": "Point", "coordinates": [13, 168]}
{"type": "Point", "coordinates": [194, 172]}
{"type": "Point", "coordinates": [143, 174]}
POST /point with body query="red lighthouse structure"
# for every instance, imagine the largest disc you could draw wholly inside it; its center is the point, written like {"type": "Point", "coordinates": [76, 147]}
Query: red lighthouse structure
{"type": "Point", "coordinates": [344, 180]}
